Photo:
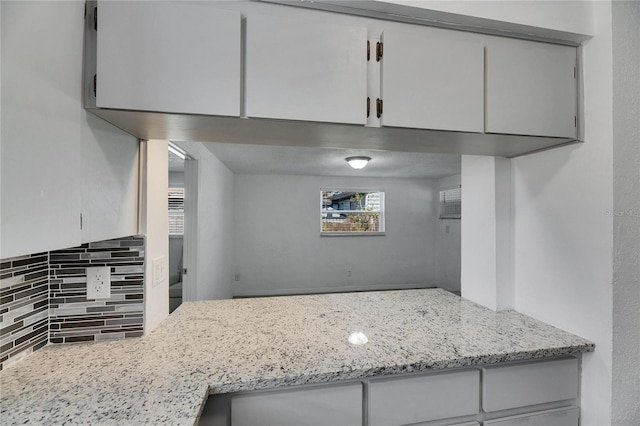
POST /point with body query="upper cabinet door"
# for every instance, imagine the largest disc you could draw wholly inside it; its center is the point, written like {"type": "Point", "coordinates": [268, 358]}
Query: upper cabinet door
{"type": "Point", "coordinates": [169, 57]}
{"type": "Point", "coordinates": [305, 71]}
{"type": "Point", "coordinates": [531, 89]}
{"type": "Point", "coordinates": [432, 82]}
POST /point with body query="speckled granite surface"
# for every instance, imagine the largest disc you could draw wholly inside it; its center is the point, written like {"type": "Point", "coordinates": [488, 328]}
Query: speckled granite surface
{"type": "Point", "coordinates": [246, 344]}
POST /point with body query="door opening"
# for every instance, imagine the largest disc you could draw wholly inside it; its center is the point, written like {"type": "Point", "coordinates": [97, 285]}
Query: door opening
{"type": "Point", "coordinates": [181, 198]}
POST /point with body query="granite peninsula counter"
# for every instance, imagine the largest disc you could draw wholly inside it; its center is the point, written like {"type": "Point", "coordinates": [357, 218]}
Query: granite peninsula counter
{"type": "Point", "coordinates": [249, 344]}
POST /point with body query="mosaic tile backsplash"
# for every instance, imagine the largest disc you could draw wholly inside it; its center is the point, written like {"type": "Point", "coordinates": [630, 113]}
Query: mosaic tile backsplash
{"type": "Point", "coordinates": [24, 306]}
{"type": "Point", "coordinates": [43, 297]}
{"type": "Point", "coordinates": [75, 318]}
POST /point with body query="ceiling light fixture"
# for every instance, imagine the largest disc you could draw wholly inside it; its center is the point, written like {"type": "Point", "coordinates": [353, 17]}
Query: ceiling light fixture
{"type": "Point", "coordinates": [358, 162]}
{"type": "Point", "coordinates": [177, 151]}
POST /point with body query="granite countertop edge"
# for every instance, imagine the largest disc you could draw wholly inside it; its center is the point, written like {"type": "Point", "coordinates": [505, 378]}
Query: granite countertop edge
{"type": "Point", "coordinates": [422, 367]}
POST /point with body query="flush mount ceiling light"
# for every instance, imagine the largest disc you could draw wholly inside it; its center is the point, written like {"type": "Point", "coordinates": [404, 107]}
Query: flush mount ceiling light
{"type": "Point", "coordinates": [358, 162]}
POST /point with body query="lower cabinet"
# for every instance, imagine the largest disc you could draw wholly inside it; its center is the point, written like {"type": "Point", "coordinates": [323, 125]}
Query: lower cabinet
{"type": "Point", "coordinates": [538, 393]}
{"type": "Point", "coordinates": [422, 398]}
{"type": "Point", "coordinates": [314, 406]}
{"type": "Point", "coordinates": [525, 384]}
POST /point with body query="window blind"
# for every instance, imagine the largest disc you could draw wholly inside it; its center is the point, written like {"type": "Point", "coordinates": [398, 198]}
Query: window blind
{"type": "Point", "coordinates": [176, 211]}
{"type": "Point", "coordinates": [451, 203]}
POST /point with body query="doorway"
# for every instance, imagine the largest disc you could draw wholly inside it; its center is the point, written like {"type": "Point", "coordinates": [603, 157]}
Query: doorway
{"type": "Point", "coordinates": [182, 208]}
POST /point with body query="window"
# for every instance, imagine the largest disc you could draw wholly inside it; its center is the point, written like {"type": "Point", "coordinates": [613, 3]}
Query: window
{"type": "Point", "coordinates": [176, 211]}
{"type": "Point", "coordinates": [352, 212]}
{"type": "Point", "coordinates": [451, 203]}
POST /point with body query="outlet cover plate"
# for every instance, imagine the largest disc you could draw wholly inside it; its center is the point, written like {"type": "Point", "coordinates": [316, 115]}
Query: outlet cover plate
{"type": "Point", "coordinates": [99, 282]}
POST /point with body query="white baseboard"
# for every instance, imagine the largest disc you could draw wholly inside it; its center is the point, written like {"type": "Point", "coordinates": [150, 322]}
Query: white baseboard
{"type": "Point", "coordinates": [328, 289]}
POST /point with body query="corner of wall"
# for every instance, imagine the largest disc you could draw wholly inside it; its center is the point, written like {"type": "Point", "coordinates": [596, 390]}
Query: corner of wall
{"type": "Point", "coordinates": [486, 266]}
{"type": "Point", "coordinates": [154, 181]}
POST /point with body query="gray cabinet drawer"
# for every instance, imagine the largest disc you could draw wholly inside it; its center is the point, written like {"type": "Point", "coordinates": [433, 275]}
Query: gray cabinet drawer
{"type": "Point", "coordinates": [558, 417]}
{"type": "Point", "coordinates": [399, 401]}
{"type": "Point", "coordinates": [444, 423]}
{"type": "Point", "coordinates": [332, 405]}
{"type": "Point", "coordinates": [519, 385]}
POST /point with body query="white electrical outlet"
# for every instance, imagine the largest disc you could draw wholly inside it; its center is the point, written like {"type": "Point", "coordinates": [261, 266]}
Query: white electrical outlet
{"type": "Point", "coordinates": [99, 282]}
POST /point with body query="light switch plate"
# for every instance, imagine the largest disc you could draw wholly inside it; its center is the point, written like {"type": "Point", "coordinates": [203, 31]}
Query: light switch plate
{"type": "Point", "coordinates": [159, 267]}
{"type": "Point", "coordinates": [99, 282]}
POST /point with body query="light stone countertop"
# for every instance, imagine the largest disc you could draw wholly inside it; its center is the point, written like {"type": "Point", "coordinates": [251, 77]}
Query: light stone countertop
{"type": "Point", "coordinates": [247, 344]}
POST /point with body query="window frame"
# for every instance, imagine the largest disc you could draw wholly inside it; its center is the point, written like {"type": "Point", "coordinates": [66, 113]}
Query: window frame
{"type": "Point", "coordinates": [381, 212]}
{"type": "Point", "coordinates": [442, 203]}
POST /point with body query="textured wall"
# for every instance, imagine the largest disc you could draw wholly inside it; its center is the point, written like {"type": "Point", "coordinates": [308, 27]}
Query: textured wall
{"type": "Point", "coordinates": [279, 250]}
{"type": "Point", "coordinates": [626, 212]}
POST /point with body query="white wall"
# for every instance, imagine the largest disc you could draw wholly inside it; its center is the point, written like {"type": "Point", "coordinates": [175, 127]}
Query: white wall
{"type": "Point", "coordinates": [448, 242]}
{"type": "Point", "coordinates": [176, 179]}
{"type": "Point", "coordinates": [626, 213]}
{"type": "Point", "coordinates": [563, 234]}
{"type": "Point", "coordinates": [279, 249]}
{"type": "Point", "coordinates": [154, 224]}
{"type": "Point", "coordinates": [486, 246]}
{"type": "Point", "coordinates": [40, 126]}
{"type": "Point", "coordinates": [0, 129]}
{"type": "Point", "coordinates": [57, 160]}
{"type": "Point", "coordinates": [215, 238]}
{"type": "Point", "coordinates": [109, 180]}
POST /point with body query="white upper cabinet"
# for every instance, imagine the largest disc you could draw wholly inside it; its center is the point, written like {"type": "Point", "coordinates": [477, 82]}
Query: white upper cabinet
{"type": "Point", "coordinates": [432, 82]}
{"type": "Point", "coordinates": [531, 89]}
{"type": "Point", "coordinates": [309, 71]}
{"type": "Point", "coordinates": [168, 57]}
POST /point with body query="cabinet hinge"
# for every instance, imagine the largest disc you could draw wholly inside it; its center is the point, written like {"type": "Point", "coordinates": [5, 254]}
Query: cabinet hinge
{"type": "Point", "coordinates": [378, 107]}
{"type": "Point", "coordinates": [378, 51]}
{"type": "Point", "coordinates": [368, 106]}
{"type": "Point", "coordinates": [95, 18]}
{"type": "Point", "coordinates": [85, 11]}
{"type": "Point", "coordinates": [80, 220]}
{"type": "Point", "coordinates": [575, 121]}
{"type": "Point", "coordinates": [95, 85]}
{"type": "Point", "coordinates": [575, 72]}
{"type": "Point", "coordinates": [368, 50]}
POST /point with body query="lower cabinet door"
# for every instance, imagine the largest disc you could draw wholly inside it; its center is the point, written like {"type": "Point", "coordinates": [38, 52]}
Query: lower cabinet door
{"type": "Point", "coordinates": [524, 384]}
{"type": "Point", "coordinates": [558, 417]}
{"type": "Point", "coordinates": [408, 400]}
{"type": "Point", "coordinates": [333, 405]}
{"type": "Point", "coordinates": [445, 423]}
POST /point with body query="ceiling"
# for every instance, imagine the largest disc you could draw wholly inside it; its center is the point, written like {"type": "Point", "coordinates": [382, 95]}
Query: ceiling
{"type": "Point", "coordinates": [305, 161]}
